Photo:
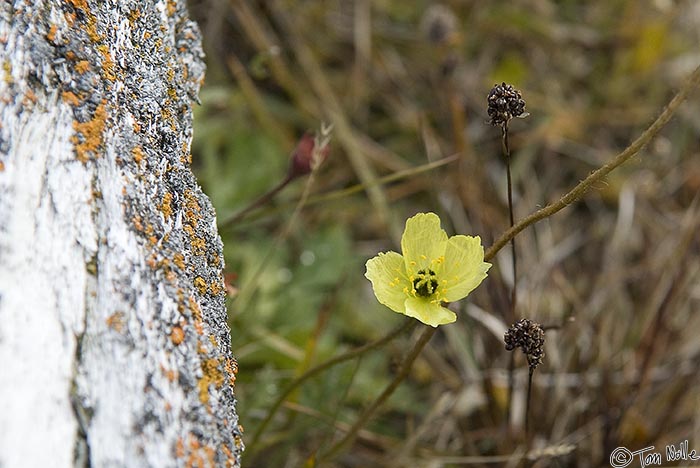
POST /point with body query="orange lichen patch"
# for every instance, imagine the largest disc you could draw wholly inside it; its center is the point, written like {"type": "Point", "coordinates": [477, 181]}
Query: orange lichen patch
{"type": "Point", "coordinates": [90, 132]}
{"type": "Point", "coordinates": [134, 15]}
{"type": "Point", "coordinates": [79, 4]}
{"type": "Point", "coordinates": [191, 203]}
{"type": "Point", "coordinates": [215, 260]}
{"type": "Point", "coordinates": [136, 221]}
{"type": "Point", "coordinates": [171, 276]}
{"type": "Point", "coordinates": [179, 260]}
{"type": "Point", "coordinates": [7, 68]}
{"type": "Point", "coordinates": [2, 166]}
{"type": "Point", "coordinates": [216, 287]}
{"type": "Point", "coordinates": [197, 315]}
{"type": "Point", "coordinates": [170, 374]}
{"type": "Point", "coordinates": [172, 7]}
{"type": "Point", "coordinates": [211, 375]}
{"type": "Point", "coordinates": [82, 66]}
{"type": "Point", "coordinates": [199, 247]}
{"type": "Point", "coordinates": [177, 336]}
{"type": "Point", "coordinates": [201, 285]}
{"type": "Point", "coordinates": [107, 63]}
{"type": "Point", "coordinates": [165, 206]}
{"type": "Point", "coordinates": [51, 35]}
{"type": "Point", "coordinates": [70, 18]}
{"type": "Point", "coordinates": [180, 448]}
{"type": "Point", "coordinates": [200, 456]}
{"type": "Point", "coordinates": [116, 321]}
{"type": "Point", "coordinates": [152, 261]}
{"type": "Point", "coordinates": [212, 340]}
{"type": "Point", "coordinates": [192, 211]}
{"type": "Point", "coordinates": [231, 368]}
{"type": "Point", "coordinates": [188, 229]}
{"type": "Point", "coordinates": [90, 26]}
{"type": "Point", "coordinates": [29, 98]}
{"type": "Point", "coordinates": [137, 127]}
{"type": "Point", "coordinates": [137, 154]}
{"type": "Point", "coordinates": [186, 159]}
{"type": "Point", "coordinates": [70, 98]}
{"type": "Point", "coordinates": [167, 406]}
{"type": "Point", "coordinates": [230, 461]}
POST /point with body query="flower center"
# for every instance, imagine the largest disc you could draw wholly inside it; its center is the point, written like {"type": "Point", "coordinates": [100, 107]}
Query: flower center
{"type": "Point", "coordinates": [425, 284]}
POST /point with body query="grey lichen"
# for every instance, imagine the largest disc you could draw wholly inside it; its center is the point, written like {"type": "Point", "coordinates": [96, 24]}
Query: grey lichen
{"type": "Point", "coordinates": [130, 72]}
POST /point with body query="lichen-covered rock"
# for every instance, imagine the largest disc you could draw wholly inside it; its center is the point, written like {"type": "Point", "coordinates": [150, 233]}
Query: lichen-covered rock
{"type": "Point", "coordinates": [114, 348]}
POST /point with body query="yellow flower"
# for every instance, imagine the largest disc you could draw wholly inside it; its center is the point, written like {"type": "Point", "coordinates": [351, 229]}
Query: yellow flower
{"type": "Point", "coordinates": [433, 270]}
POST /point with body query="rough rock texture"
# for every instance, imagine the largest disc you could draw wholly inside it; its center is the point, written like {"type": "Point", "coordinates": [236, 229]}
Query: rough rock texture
{"type": "Point", "coordinates": [114, 348]}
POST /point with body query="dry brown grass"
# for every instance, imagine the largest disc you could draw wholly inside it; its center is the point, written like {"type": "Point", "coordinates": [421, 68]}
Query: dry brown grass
{"type": "Point", "coordinates": [616, 273]}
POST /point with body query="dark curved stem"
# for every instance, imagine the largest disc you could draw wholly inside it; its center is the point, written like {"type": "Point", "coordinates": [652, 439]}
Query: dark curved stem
{"type": "Point", "coordinates": [405, 368]}
{"type": "Point", "coordinates": [320, 368]}
{"type": "Point", "coordinates": [506, 154]}
{"type": "Point", "coordinates": [597, 175]}
{"type": "Point", "coordinates": [511, 385]}
{"type": "Point", "coordinates": [262, 200]}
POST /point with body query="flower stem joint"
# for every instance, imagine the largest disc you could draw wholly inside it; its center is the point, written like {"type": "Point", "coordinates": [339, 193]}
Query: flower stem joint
{"type": "Point", "coordinates": [433, 270]}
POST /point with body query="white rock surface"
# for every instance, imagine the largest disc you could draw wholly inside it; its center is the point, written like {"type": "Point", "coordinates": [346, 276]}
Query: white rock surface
{"type": "Point", "coordinates": [114, 348]}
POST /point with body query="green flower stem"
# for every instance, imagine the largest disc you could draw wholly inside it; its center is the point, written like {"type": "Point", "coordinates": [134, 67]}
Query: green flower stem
{"type": "Point", "coordinates": [322, 367]}
{"type": "Point", "coordinates": [405, 368]}
{"type": "Point", "coordinates": [597, 175]}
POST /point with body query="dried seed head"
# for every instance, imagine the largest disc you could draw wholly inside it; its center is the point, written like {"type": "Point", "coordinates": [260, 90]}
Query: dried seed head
{"type": "Point", "coordinates": [505, 102]}
{"type": "Point", "coordinates": [439, 24]}
{"type": "Point", "coordinates": [529, 336]}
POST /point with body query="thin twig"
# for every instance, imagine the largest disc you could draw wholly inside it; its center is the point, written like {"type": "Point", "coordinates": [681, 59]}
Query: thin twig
{"type": "Point", "coordinates": [262, 200]}
{"type": "Point", "coordinates": [511, 386]}
{"type": "Point", "coordinates": [597, 175]}
{"type": "Point", "coordinates": [320, 368]}
{"type": "Point", "coordinates": [527, 404]}
{"type": "Point", "coordinates": [346, 192]}
{"type": "Point", "coordinates": [506, 154]}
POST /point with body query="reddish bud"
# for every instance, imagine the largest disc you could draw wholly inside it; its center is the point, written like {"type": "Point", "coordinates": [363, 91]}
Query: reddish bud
{"type": "Point", "coordinates": [306, 156]}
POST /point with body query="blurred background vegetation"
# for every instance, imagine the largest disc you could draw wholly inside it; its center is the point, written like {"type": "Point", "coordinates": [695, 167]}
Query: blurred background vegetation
{"type": "Point", "coordinates": [405, 84]}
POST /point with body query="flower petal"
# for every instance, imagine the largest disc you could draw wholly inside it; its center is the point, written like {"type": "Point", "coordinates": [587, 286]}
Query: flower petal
{"type": "Point", "coordinates": [423, 241]}
{"type": "Point", "coordinates": [387, 272]}
{"type": "Point", "coordinates": [430, 313]}
{"type": "Point", "coordinates": [464, 268]}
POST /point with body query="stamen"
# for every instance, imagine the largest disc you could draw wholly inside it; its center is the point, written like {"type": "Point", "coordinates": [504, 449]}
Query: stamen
{"type": "Point", "coordinates": [425, 285]}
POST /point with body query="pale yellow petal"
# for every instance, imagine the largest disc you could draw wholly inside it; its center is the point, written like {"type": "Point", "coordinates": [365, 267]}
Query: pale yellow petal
{"type": "Point", "coordinates": [430, 313]}
{"type": "Point", "coordinates": [463, 269]}
{"type": "Point", "coordinates": [387, 272]}
{"type": "Point", "coordinates": [423, 241]}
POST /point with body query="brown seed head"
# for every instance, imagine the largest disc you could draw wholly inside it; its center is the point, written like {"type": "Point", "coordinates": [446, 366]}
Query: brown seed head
{"type": "Point", "coordinates": [529, 336]}
{"type": "Point", "coordinates": [505, 102]}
